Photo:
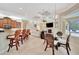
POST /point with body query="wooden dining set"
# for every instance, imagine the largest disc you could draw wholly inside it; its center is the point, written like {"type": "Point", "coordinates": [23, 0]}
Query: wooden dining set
{"type": "Point", "coordinates": [18, 37]}
{"type": "Point", "coordinates": [21, 35]}
{"type": "Point", "coordinates": [49, 39]}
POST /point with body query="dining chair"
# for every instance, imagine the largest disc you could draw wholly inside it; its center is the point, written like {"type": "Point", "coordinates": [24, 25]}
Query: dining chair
{"type": "Point", "coordinates": [14, 40]}
{"type": "Point", "coordinates": [59, 33]}
{"type": "Point", "coordinates": [27, 34]}
{"type": "Point", "coordinates": [23, 35]}
{"type": "Point", "coordinates": [67, 45]}
{"type": "Point", "coordinates": [49, 42]}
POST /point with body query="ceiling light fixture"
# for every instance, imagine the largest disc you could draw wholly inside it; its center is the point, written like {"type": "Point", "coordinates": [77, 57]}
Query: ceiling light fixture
{"type": "Point", "coordinates": [21, 8]}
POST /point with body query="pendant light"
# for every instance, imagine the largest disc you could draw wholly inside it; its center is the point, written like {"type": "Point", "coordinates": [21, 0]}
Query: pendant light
{"type": "Point", "coordinates": [55, 14]}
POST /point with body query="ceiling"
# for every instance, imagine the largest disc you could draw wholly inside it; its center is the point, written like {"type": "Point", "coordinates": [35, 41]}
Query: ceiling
{"type": "Point", "coordinates": [29, 10]}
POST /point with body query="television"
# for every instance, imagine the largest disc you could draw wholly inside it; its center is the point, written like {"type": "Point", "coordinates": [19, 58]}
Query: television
{"type": "Point", "coordinates": [49, 24]}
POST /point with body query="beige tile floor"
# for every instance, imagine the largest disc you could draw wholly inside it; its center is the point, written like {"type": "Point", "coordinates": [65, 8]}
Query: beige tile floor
{"type": "Point", "coordinates": [35, 46]}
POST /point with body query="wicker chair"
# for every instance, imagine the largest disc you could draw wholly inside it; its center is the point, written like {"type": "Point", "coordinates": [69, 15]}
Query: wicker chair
{"type": "Point", "coordinates": [66, 45]}
{"type": "Point", "coordinates": [49, 42]}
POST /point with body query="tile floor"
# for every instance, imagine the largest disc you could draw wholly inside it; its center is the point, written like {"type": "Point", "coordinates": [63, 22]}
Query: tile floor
{"type": "Point", "coordinates": [35, 46]}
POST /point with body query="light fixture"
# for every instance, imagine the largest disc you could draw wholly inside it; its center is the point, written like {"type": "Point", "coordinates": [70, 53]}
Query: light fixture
{"type": "Point", "coordinates": [44, 14]}
{"type": "Point", "coordinates": [21, 8]}
{"type": "Point", "coordinates": [55, 15]}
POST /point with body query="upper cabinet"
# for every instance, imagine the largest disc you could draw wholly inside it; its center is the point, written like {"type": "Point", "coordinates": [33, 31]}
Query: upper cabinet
{"type": "Point", "coordinates": [8, 21]}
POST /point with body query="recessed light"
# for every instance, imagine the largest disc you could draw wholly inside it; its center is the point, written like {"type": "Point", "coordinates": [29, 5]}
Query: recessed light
{"type": "Point", "coordinates": [21, 8]}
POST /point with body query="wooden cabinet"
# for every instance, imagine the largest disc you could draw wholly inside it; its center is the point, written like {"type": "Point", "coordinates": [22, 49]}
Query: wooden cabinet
{"type": "Point", "coordinates": [1, 24]}
{"type": "Point", "coordinates": [6, 20]}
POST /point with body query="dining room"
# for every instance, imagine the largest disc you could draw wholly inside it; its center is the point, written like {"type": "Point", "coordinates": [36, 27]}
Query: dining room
{"type": "Point", "coordinates": [39, 29]}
